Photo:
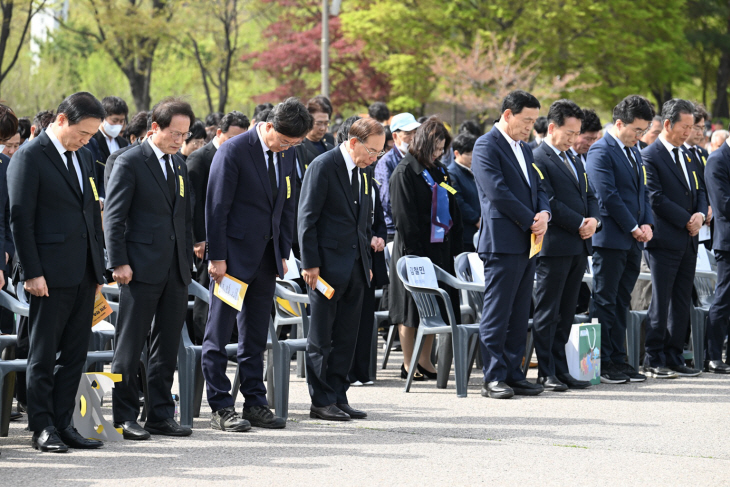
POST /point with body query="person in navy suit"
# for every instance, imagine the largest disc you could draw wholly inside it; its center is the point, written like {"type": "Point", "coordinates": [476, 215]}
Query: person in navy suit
{"type": "Point", "coordinates": [617, 176]}
{"type": "Point", "coordinates": [514, 206]}
{"type": "Point", "coordinates": [717, 181]}
{"type": "Point", "coordinates": [249, 223]}
{"type": "Point", "coordinates": [679, 205]}
{"type": "Point", "coordinates": [466, 195]}
{"type": "Point", "coordinates": [566, 247]}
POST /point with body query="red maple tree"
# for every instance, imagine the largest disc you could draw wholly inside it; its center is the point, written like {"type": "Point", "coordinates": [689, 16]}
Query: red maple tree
{"type": "Point", "coordinates": [293, 58]}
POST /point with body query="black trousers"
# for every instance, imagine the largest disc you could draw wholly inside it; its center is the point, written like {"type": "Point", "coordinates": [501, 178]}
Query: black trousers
{"type": "Point", "coordinates": [717, 329]}
{"type": "Point", "coordinates": [360, 369]}
{"type": "Point", "coordinates": [667, 322]}
{"type": "Point", "coordinates": [332, 338]}
{"type": "Point", "coordinates": [58, 323]}
{"type": "Point", "coordinates": [139, 304]}
{"type": "Point", "coordinates": [556, 292]}
{"type": "Point", "coordinates": [614, 275]}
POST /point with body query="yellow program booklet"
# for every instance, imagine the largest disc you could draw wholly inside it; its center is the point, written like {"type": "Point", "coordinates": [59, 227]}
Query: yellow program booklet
{"type": "Point", "coordinates": [535, 245]}
{"type": "Point", "coordinates": [231, 291]}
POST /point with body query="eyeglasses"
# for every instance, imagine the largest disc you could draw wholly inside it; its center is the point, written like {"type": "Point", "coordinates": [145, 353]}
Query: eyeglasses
{"type": "Point", "coordinates": [322, 124]}
{"type": "Point", "coordinates": [177, 135]}
{"type": "Point", "coordinates": [287, 145]}
{"type": "Point", "coordinates": [371, 152]}
{"type": "Point", "coordinates": [698, 128]}
{"type": "Point", "coordinates": [641, 133]}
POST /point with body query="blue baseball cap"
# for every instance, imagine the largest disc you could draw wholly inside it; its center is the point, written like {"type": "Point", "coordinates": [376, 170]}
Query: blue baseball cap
{"type": "Point", "coordinates": [404, 122]}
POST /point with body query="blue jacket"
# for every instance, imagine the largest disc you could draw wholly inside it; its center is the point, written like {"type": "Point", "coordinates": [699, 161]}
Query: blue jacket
{"type": "Point", "coordinates": [508, 203]}
{"type": "Point", "coordinates": [717, 180]}
{"type": "Point", "coordinates": [622, 197]}
{"type": "Point", "coordinates": [467, 198]}
{"type": "Point", "coordinates": [383, 170]}
{"type": "Point", "coordinates": [240, 214]}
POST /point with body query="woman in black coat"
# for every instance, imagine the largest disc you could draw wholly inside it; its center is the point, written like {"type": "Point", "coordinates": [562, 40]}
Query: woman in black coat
{"type": "Point", "coordinates": [412, 184]}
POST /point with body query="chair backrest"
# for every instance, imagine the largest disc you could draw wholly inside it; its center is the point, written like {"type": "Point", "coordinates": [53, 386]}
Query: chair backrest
{"type": "Point", "coordinates": [465, 273]}
{"type": "Point", "coordinates": [291, 293]}
{"type": "Point", "coordinates": [705, 288]}
{"type": "Point", "coordinates": [16, 306]}
{"type": "Point", "coordinates": [426, 299]}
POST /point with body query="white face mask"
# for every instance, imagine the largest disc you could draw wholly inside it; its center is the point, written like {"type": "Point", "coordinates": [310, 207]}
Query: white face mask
{"type": "Point", "coordinates": [112, 130]}
{"type": "Point", "coordinates": [403, 147]}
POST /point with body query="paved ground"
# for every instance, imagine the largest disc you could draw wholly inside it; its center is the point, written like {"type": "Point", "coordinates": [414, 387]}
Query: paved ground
{"type": "Point", "coordinates": [654, 433]}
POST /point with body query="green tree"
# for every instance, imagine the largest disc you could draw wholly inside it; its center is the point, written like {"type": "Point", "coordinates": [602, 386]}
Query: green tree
{"type": "Point", "coordinates": [16, 18]}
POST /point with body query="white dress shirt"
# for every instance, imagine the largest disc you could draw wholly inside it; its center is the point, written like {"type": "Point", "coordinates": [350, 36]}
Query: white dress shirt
{"type": "Point", "coordinates": [670, 148]}
{"type": "Point", "coordinates": [160, 159]}
{"type": "Point", "coordinates": [350, 164]}
{"type": "Point", "coordinates": [62, 152]}
{"type": "Point", "coordinates": [111, 143]}
{"type": "Point", "coordinates": [517, 149]}
{"type": "Point", "coordinates": [265, 148]}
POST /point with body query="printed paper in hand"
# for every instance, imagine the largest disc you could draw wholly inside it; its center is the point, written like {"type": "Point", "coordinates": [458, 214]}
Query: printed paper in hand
{"type": "Point", "coordinates": [325, 288]}
{"type": "Point", "coordinates": [231, 291]}
{"type": "Point", "coordinates": [534, 248]}
{"type": "Point", "coordinates": [704, 234]}
{"type": "Point", "coordinates": [421, 273]}
{"type": "Point", "coordinates": [101, 309]}
{"type": "Point", "coordinates": [292, 271]}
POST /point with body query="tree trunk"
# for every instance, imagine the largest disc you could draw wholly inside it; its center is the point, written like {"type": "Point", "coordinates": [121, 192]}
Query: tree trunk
{"type": "Point", "coordinates": [662, 94]}
{"type": "Point", "coordinates": [720, 107]}
{"type": "Point", "coordinates": [139, 72]}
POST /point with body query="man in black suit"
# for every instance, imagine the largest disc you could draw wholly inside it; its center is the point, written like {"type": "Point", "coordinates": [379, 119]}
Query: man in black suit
{"type": "Point", "coordinates": [138, 129]}
{"type": "Point", "coordinates": [335, 232]}
{"type": "Point", "coordinates": [566, 247]}
{"type": "Point", "coordinates": [679, 204]}
{"type": "Point", "coordinates": [8, 128]}
{"type": "Point", "coordinates": [539, 131]}
{"type": "Point", "coordinates": [249, 213]}
{"type": "Point", "coordinates": [232, 124]}
{"type": "Point", "coordinates": [699, 156]}
{"type": "Point", "coordinates": [650, 136]}
{"type": "Point", "coordinates": [148, 229]}
{"type": "Point", "coordinates": [56, 223]}
{"type": "Point", "coordinates": [108, 139]}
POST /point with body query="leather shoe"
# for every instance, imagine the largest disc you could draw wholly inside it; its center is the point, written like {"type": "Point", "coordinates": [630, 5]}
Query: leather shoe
{"type": "Point", "coordinates": [167, 427]}
{"type": "Point", "coordinates": [352, 412]}
{"type": "Point", "coordinates": [15, 415]}
{"type": "Point", "coordinates": [574, 383]}
{"type": "Point", "coordinates": [72, 438]}
{"type": "Point", "coordinates": [525, 388]}
{"type": "Point", "coordinates": [329, 413]}
{"type": "Point", "coordinates": [497, 390]}
{"type": "Point", "coordinates": [131, 430]}
{"type": "Point", "coordinates": [552, 383]}
{"type": "Point", "coordinates": [717, 367]}
{"type": "Point", "coordinates": [48, 440]}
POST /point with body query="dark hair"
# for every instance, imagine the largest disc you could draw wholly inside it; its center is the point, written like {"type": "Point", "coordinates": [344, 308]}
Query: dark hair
{"type": "Point", "coordinates": [137, 126]}
{"type": "Point", "coordinates": [264, 115]}
{"type": "Point", "coordinates": [424, 141]}
{"type": "Point", "coordinates": [213, 119]}
{"type": "Point", "coordinates": [422, 119]}
{"type": "Point", "coordinates": [80, 106]}
{"type": "Point", "coordinates": [113, 105]}
{"type": "Point", "coordinates": [197, 131]}
{"type": "Point", "coordinates": [518, 100]}
{"type": "Point", "coordinates": [163, 112]}
{"type": "Point", "coordinates": [149, 119]}
{"type": "Point", "coordinates": [471, 127]}
{"type": "Point", "coordinates": [464, 142]}
{"type": "Point", "coordinates": [42, 120]}
{"type": "Point", "coordinates": [344, 129]}
{"type": "Point", "coordinates": [591, 122]}
{"type": "Point", "coordinates": [320, 104]}
{"type": "Point", "coordinates": [259, 109]}
{"type": "Point", "coordinates": [24, 128]}
{"type": "Point", "coordinates": [364, 128]}
{"type": "Point", "coordinates": [379, 111]}
{"type": "Point", "coordinates": [291, 119]}
{"type": "Point", "coordinates": [541, 125]}
{"type": "Point", "coordinates": [562, 109]}
{"type": "Point", "coordinates": [673, 109]}
{"type": "Point", "coordinates": [388, 134]}
{"type": "Point", "coordinates": [633, 107]}
{"type": "Point", "coordinates": [233, 119]}
{"type": "Point", "coordinates": [8, 122]}
{"type": "Point", "coordinates": [700, 113]}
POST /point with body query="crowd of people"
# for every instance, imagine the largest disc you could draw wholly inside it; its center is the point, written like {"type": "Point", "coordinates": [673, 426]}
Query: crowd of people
{"type": "Point", "coordinates": [91, 197]}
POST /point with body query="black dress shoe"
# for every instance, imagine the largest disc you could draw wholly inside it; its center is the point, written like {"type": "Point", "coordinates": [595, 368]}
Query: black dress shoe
{"type": "Point", "coordinates": [329, 413]}
{"type": "Point", "coordinates": [73, 439]}
{"type": "Point", "coordinates": [497, 390]}
{"type": "Point", "coordinates": [167, 427]}
{"type": "Point", "coordinates": [717, 367]}
{"type": "Point", "coordinates": [417, 376]}
{"type": "Point", "coordinates": [48, 440]}
{"type": "Point", "coordinates": [15, 415]}
{"type": "Point", "coordinates": [525, 388]}
{"type": "Point", "coordinates": [352, 412]}
{"type": "Point", "coordinates": [131, 430]}
{"type": "Point", "coordinates": [552, 383]}
{"type": "Point", "coordinates": [262, 417]}
{"type": "Point", "coordinates": [426, 373]}
{"type": "Point", "coordinates": [573, 383]}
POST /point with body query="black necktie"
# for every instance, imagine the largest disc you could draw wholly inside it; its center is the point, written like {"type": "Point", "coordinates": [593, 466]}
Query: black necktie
{"type": "Point", "coordinates": [632, 161]}
{"type": "Point", "coordinates": [170, 176]}
{"type": "Point", "coordinates": [272, 175]}
{"type": "Point", "coordinates": [694, 153]}
{"type": "Point", "coordinates": [355, 184]}
{"type": "Point", "coordinates": [679, 164]}
{"type": "Point", "coordinates": [564, 156]}
{"type": "Point", "coordinates": [72, 169]}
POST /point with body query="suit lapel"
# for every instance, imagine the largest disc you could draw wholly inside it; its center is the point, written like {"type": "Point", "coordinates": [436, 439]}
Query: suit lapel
{"type": "Point", "coordinates": [669, 160]}
{"type": "Point", "coordinates": [561, 164]}
{"type": "Point", "coordinates": [260, 163]}
{"type": "Point", "coordinates": [153, 163]}
{"type": "Point", "coordinates": [582, 178]}
{"type": "Point", "coordinates": [59, 164]}
{"type": "Point", "coordinates": [621, 155]}
{"type": "Point", "coordinates": [342, 175]}
{"type": "Point", "coordinates": [85, 176]}
{"type": "Point", "coordinates": [504, 145]}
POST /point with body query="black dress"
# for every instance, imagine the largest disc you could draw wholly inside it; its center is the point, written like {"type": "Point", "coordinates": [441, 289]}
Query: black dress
{"type": "Point", "coordinates": [411, 199]}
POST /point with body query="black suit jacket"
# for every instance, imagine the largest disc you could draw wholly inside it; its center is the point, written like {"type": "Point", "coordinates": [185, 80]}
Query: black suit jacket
{"type": "Point", "coordinates": [306, 153]}
{"type": "Point", "coordinates": [198, 170]}
{"type": "Point", "coordinates": [8, 246]}
{"type": "Point", "coordinates": [100, 165]}
{"type": "Point", "coordinates": [141, 224]}
{"type": "Point", "coordinates": [332, 235]}
{"type": "Point", "coordinates": [380, 270]}
{"type": "Point", "coordinates": [112, 159]}
{"type": "Point", "coordinates": [571, 201]}
{"type": "Point", "coordinates": [54, 225]}
{"type": "Point", "coordinates": [717, 181]}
